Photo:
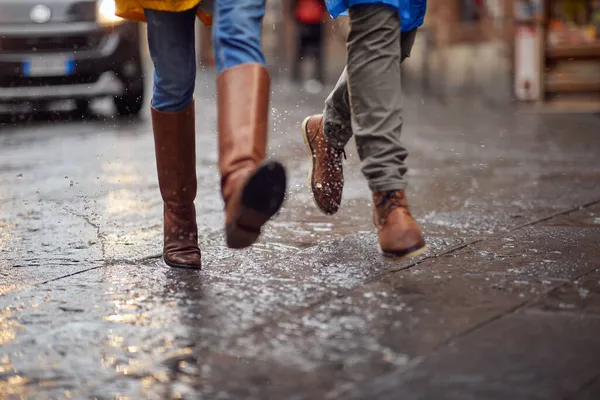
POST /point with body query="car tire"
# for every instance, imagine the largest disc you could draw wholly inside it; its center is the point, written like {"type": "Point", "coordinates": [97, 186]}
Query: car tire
{"type": "Point", "coordinates": [132, 100]}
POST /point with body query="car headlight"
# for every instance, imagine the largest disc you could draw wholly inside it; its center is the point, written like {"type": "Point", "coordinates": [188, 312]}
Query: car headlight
{"type": "Point", "coordinates": [106, 12]}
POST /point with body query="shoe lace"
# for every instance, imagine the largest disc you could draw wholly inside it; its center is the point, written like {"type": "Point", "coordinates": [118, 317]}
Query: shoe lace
{"type": "Point", "coordinates": [389, 202]}
{"type": "Point", "coordinates": [337, 153]}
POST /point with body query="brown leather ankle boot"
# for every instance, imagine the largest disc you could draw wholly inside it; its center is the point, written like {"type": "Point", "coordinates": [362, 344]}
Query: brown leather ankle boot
{"type": "Point", "coordinates": [326, 170]}
{"type": "Point", "coordinates": [175, 147]}
{"type": "Point", "coordinates": [253, 190]}
{"type": "Point", "coordinates": [399, 234]}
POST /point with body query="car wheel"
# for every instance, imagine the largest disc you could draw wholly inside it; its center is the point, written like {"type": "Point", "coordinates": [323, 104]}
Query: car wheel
{"type": "Point", "coordinates": [132, 100]}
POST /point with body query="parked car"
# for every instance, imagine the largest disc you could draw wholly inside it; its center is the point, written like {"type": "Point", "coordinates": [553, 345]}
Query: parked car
{"type": "Point", "coordinates": [69, 49]}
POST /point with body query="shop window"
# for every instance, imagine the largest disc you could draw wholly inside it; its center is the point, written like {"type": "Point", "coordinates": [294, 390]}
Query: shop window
{"type": "Point", "coordinates": [468, 21]}
{"type": "Point", "coordinates": [471, 11]}
{"type": "Point", "coordinates": [574, 22]}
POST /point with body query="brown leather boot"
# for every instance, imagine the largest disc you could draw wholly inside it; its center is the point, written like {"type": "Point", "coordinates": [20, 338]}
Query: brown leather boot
{"type": "Point", "coordinates": [399, 233]}
{"type": "Point", "coordinates": [253, 191]}
{"type": "Point", "coordinates": [326, 173]}
{"type": "Point", "coordinates": [175, 147]}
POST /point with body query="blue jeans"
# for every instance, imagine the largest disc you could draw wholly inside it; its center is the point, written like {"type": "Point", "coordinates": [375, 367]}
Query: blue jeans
{"type": "Point", "coordinates": [237, 27]}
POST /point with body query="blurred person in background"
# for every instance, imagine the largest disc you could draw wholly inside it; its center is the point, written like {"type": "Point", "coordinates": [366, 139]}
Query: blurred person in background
{"type": "Point", "coordinates": [366, 102]}
{"type": "Point", "coordinates": [309, 16]}
{"type": "Point", "coordinates": [252, 190]}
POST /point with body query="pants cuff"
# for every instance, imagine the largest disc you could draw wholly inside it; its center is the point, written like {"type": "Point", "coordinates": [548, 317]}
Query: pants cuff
{"type": "Point", "coordinates": [387, 186]}
{"type": "Point", "coordinates": [337, 135]}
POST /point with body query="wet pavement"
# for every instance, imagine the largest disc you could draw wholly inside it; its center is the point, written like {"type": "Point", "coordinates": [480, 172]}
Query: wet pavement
{"type": "Point", "coordinates": [504, 305]}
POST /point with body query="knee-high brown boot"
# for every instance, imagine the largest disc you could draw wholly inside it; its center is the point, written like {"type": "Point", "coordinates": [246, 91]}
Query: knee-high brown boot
{"type": "Point", "coordinates": [253, 191]}
{"type": "Point", "coordinates": [175, 147]}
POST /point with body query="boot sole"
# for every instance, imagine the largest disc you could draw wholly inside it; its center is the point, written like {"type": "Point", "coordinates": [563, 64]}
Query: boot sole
{"type": "Point", "coordinates": [262, 198]}
{"type": "Point", "coordinates": [405, 256]}
{"type": "Point", "coordinates": [311, 168]}
{"type": "Point", "coordinates": [181, 266]}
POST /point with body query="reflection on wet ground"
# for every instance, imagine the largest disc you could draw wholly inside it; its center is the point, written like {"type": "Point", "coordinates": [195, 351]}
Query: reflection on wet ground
{"type": "Point", "coordinates": [509, 205]}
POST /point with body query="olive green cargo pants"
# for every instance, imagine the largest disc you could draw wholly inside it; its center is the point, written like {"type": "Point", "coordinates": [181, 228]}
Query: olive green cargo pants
{"type": "Point", "coordinates": [367, 99]}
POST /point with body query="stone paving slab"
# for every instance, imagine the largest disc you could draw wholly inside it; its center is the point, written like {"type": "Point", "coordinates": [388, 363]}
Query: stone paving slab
{"type": "Point", "coordinates": [538, 251]}
{"type": "Point", "coordinates": [591, 391]}
{"type": "Point", "coordinates": [581, 296]}
{"type": "Point", "coordinates": [516, 357]}
{"type": "Point", "coordinates": [268, 331]}
{"type": "Point", "coordinates": [400, 317]}
{"type": "Point", "coordinates": [312, 311]}
{"type": "Point", "coordinates": [34, 256]}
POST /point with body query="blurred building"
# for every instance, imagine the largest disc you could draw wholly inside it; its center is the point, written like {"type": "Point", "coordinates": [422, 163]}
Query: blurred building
{"type": "Point", "coordinates": [282, 28]}
{"type": "Point", "coordinates": [464, 50]}
{"type": "Point", "coordinates": [539, 52]}
{"type": "Point", "coordinates": [543, 52]}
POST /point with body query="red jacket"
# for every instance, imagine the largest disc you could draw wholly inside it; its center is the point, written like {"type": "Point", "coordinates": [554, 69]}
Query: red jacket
{"type": "Point", "coordinates": [309, 11]}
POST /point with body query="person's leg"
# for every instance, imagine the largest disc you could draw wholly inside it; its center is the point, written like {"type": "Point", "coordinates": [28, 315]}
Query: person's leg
{"type": "Point", "coordinates": [173, 53]}
{"type": "Point", "coordinates": [337, 118]}
{"type": "Point", "coordinates": [300, 53]}
{"type": "Point", "coordinates": [326, 137]}
{"type": "Point", "coordinates": [407, 41]}
{"type": "Point", "coordinates": [171, 42]}
{"type": "Point", "coordinates": [253, 191]}
{"type": "Point", "coordinates": [375, 94]}
{"type": "Point", "coordinates": [319, 53]}
{"type": "Point", "coordinates": [374, 56]}
{"type": "Point", "coordinates": [313, 50]}
{"type": "Point", "coordinates": [237, 32]}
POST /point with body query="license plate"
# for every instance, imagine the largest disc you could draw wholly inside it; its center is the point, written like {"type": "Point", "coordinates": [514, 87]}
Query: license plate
{"type": "Point", "coordinates": [48, 66]}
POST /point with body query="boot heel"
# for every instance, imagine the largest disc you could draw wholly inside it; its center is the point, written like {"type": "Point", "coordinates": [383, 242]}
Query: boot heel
{"type": "Point", "coordinates": [238, 237]}
{"type": "Point", "coordinates": [265, 191]}
{"type": "Point", "coordinates": [262, 198]}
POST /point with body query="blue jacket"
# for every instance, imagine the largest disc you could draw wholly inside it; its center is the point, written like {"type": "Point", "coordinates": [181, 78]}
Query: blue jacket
{"type": "Point", "coordinates": [412, 12]}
